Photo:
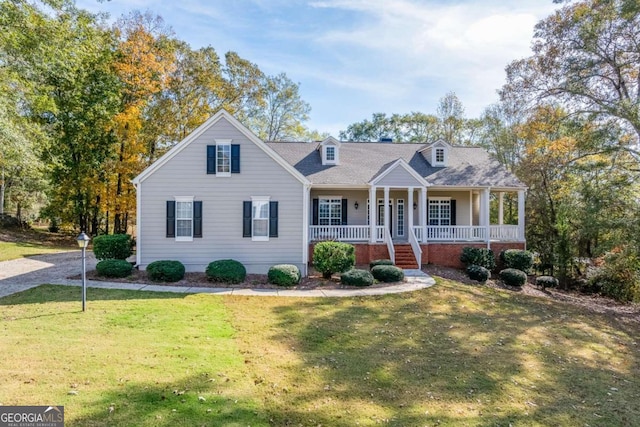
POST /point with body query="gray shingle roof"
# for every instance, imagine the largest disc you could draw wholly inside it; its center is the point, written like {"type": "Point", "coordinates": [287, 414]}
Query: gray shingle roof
{"type": "Point", "coordinates": [360, 162]}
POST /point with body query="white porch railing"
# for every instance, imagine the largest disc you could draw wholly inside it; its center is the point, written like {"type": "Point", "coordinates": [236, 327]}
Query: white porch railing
{"type": "Point", "coordinates": [504, 232]}
{"type": "Point", "coordinates": [417, 250]}
{"type": "Point", "coordinates": [390, 248]}
{"type": "Point", "coordinates": [453, 233]}
{"type": "Point", "coordinates": [352, 233]}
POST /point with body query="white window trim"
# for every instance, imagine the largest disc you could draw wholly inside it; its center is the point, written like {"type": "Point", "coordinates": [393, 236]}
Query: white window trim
{"type": "Point", "coordinates": [183, 199]}
{"type": "Point", "coordinates": [222, 143]}
{"type": "Point", "coordinates": [435, 156]}
{"type": "Point", "coordinates": [335, 160]}
{"type": "Point", "coordinates": [440, 199]}
{"type": "Point", "coordinates": [400, 224]}
{"type": "Point", "coordinates": [330, 198]}
{"type": "Point", "coordinates": [266, 199]}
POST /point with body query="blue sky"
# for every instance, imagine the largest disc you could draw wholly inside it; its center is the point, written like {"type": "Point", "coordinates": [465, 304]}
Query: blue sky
{"type": "Point", "coordinates": [353, 58]}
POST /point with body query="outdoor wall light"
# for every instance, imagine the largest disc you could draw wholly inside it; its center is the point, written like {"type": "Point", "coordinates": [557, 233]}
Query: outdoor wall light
{"type": "Point", "coordinates": [415, 206]}
{"type": "Point", "coordinates": [83, 242]}
{"type": "Point", "coordinates": [355, 205]}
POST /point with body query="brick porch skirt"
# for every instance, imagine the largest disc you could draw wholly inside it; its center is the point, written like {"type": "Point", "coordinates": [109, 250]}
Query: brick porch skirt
{"type": "Point", "coordinates": [444, 254]}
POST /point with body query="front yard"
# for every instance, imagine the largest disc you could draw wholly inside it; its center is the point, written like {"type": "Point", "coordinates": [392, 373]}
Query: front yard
{"type": "Point", "coordinates": [453, 354]}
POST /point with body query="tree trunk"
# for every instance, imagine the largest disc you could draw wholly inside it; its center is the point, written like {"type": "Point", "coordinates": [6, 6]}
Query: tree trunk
{"type": "Point", "coordinates": [2, 188]}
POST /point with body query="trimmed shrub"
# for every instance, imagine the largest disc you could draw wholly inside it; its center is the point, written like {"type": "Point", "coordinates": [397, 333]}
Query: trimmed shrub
{"type": "Point", "coordinates": [355, 277]}
{"type": "Point", "coordinates": [114, 268]}
{"type": "Point", "coordinates": [387, 273]}
{"type": "Point", "coordinates": [478, 256]}
{"type": "Point", "coordinates": [513, 277]}
{"type": "Point", "coordinates": [545, 282]}
{"type": "Point", "coordinates": [478, 273]}
{"type": "Point", "coordinates": [380, 262]}
{"type": "Point", "coordinates": [284, 275]}
{"type": "Point", "coordinates": [517, 258]}
{"type": "Point", "coordinates": [112, 246]}
{"type": "Point", "coordinates": [165, 271]}
{"type": "Point", "coordinates": [226, 271]}
{"type": "Point", "coordinates": [333, 257]}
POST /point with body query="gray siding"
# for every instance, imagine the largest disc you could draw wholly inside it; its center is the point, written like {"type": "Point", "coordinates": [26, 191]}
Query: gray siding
{"type": "Point", "coordinates": [222, 197]}
{"type": "Point", "coordinates": [398, 177]}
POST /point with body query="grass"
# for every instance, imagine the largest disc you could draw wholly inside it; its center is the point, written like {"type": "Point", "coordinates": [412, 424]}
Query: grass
{"type": "Point", "coordinates": [16, 243]}
{"type": "Point", "coordinates": [450, 355]}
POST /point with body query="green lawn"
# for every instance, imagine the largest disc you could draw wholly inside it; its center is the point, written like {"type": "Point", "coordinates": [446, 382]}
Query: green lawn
{"type": "Point", "coordinates": [17, 243]}
{"type": "Point", "coordinates": [450, 355]}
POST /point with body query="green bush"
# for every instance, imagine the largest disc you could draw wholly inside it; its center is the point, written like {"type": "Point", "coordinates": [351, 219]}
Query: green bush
{"type": "Point", "coordinates": [478, 256]}
{"type": "Point", "coordinates": [517, 258]}
{"type": "Point", "coordinates": [380, 262]}
{"type": "Point", "coordinates": [333, 257]}
{"type": "Point", "coordinates": [387, 273]}
{"type": "Point", "coordinates": [513, 277]}
{"type": "Point", "coordinates": [112, 246]}
{"type": "Point", "coordinates": [619, 276]}
{"type": "Point", "coordinates": [478, 273]}
{"type": "Point", "coordinates": [355, 277]}
{"type": "Point", "coordinates": [165, 271]}
{"type": "Point", "coordinates": [284, 275]}
{"type": "Point", "coordinates": [114, 268]}
{"type": "Point", "coordinates": [545, 282]}
{"type": "Point", "coordinates": [226, 271]}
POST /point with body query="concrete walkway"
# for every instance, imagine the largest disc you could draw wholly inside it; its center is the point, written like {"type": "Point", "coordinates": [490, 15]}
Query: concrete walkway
{"type": "Point", "coordinates": [25, 273]}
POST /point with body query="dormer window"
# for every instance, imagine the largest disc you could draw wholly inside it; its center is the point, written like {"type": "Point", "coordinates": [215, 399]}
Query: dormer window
{"type": "Point", "coordinates": [330, 154]}
{"type": "Point", "coordinates": [329, 150]}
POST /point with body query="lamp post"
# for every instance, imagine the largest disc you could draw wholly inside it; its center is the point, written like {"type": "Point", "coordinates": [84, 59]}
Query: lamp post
{"type": "Point", "coordinates": [83, 242]}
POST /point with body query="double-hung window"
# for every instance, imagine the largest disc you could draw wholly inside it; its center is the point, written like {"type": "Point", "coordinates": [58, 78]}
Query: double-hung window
{"type": "Point", "coordinates": [184, 218]}
{"type": "Point", "coordinates": [439, 211]}
{"type": "Point", "coordinates": [330, 211]}
{"type": "Point", "coordinates": [223, 159]}
{"type": "Point", "coordinates": [260, 218]}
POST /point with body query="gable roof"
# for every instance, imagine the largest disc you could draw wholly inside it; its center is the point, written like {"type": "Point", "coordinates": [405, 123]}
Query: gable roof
{"type": "Point", "coordinates": [361, 162]}
{"type": "Point", "coordinates": [394, 166]}
{"type": "Point", "coordinates": [222, 114]}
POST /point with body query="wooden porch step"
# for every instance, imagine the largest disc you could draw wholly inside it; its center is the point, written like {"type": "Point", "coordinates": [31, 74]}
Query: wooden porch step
{"type": "Point", "coordinates": [404, 257]}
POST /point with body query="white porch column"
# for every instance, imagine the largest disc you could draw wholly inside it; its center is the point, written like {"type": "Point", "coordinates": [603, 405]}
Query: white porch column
{"type": "Point", "coordinates": [423, 212]}
{"type": "Point", "coordinates": [387, 216]}
{"type": "Point", "coordinates": [373, 206]}
{"type": "Point", "coordinates": [501, 208]}
{"type": "Point", "coordinates": [485, 213]}
{"type": "Point", "coordinates": [521, 215]}
{"type": "Point", "coordinates": [410, 208]}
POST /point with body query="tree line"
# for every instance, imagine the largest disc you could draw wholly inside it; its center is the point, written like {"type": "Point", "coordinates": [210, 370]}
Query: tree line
{"type": "Point", "coordinates": [86, 106]}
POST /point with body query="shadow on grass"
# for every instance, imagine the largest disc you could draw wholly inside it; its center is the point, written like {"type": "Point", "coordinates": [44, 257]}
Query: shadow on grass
{"type": "Point", "coordinates": [59, 293]}
{"type": "Point", "coordinates": [457, 354]}
{"type": "Point", "coordinates": [196, 400]}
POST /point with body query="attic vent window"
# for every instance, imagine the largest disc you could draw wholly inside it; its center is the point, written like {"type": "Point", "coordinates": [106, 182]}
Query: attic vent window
{"type": "Point", "coordinates": [439, 155]}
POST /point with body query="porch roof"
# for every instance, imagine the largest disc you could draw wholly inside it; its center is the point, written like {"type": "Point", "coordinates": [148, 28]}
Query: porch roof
{"type": "Point", "coordinates": [360, 162]}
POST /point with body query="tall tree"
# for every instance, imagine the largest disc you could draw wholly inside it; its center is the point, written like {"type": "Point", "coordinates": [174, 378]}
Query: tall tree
{"type": "Point", "coordinates": [586, 57]}
{"type": "Point", "coordinates": [283, 115]}
{"type": "Point", "coordinates": [450, 112]}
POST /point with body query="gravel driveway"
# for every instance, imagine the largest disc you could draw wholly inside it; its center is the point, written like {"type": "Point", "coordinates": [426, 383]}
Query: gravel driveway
{"type": "Point", "coordinates": [20, 274]}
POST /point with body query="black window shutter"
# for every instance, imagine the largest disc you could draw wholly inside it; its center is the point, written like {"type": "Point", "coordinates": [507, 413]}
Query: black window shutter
{"type": "Point", "coordinates": [211, 159]}
{"type": "Point", "coordinates": [453, 212]}
{"type": "Point", "coordinates": [246, 219]}
{"type": "Point", "coordinates": [273, 219]}
{"type": "Point", "coordinates": [235, 158]}
{"type": "Point", "coordinates": [344, 212]}
{"type": "Point", "coordinates": [171, 218]}
{"type": "Point", "coordinates": [316, 207]}
{"type": "Point", "coordinates": [197, 219]}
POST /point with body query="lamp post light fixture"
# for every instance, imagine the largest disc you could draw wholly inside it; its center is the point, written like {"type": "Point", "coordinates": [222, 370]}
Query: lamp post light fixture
{"type": "Point", "coordinates": [83, 242]}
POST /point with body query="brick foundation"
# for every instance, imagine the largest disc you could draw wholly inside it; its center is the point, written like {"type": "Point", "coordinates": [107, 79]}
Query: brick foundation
{"type": "Point", "coordinates": [444, 254]}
